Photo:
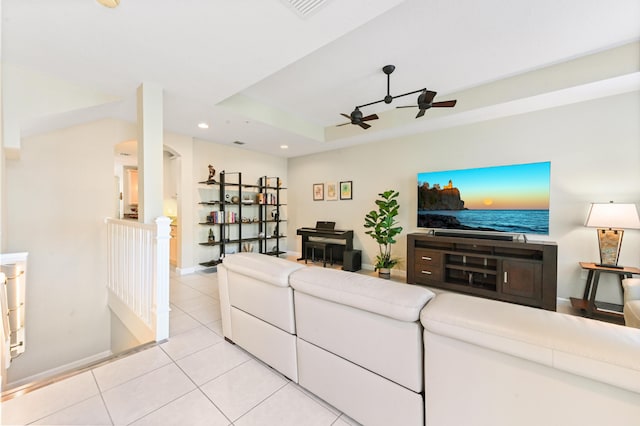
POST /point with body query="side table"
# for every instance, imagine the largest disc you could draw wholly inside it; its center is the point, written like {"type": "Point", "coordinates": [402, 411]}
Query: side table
{"type": "Point", "coordinates": [588, 302]}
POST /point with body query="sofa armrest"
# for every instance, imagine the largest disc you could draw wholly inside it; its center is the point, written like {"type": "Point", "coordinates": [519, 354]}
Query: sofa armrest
{"type": "Point", "coordinates": [631, 289]}
{"type": "Point", "coordinates": [268, 269]}
{"type": "Point", "coordinates": [632, 313]}
{"type": "Point", "coordinates": [581, 346]}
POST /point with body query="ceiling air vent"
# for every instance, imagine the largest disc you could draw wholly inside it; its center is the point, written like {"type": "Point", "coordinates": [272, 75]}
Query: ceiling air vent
{"type": "Point", "coordinates": [304, 8]}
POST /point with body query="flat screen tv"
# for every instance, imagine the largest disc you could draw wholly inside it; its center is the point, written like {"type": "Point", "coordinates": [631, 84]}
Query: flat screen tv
{"type": "Point", "coordinates": [499, 199]}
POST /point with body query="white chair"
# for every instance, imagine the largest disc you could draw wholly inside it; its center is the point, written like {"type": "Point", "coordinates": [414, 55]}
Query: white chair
{"type": "Point", "coordinates": [631, 288]}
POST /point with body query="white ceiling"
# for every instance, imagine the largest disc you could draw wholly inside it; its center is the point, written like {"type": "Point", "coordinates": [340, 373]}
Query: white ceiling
{"type": "Point", "coordinates": [259, 73]}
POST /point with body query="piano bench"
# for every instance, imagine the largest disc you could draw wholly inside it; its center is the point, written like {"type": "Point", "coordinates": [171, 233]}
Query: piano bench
{"type": "Point", "coordinates": [320, 245]}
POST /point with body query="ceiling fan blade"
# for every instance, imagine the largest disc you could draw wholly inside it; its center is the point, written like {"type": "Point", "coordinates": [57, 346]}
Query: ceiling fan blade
{"type": "Point", "coordinates": [346, 116]}
{"type": "Point", "coordinates": [429, 95]}
{"type": "Point", "coordinates": [343, 124]}
{"type": "Point", "coordinates": [370, 117]}
{"type": "Point", "coordinates": [407, 106]}
{"type": "Point", "coordinates": [364, 125]}
{"type": "Point", "coordinates": [421, 113]}
{"type": "Point", "coordinates": [446, 104]}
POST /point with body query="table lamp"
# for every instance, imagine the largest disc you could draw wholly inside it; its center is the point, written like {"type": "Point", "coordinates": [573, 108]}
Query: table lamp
{"type": "Point", "coordinates": [610, 219]}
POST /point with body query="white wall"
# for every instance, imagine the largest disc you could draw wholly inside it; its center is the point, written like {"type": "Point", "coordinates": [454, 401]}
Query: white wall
{"type": "Point", "coordinates": [58, 194]}
{"type": "Point", "coordinates": [29, 95]}
{"type": "Point", "coordinates": [169, 187]}
{"type": "Point", "coordinates": [252, 165]}
{"type": "Point", "coordinates": [182, 146]}
{"type": "Point", "coordinates": [594, 149]}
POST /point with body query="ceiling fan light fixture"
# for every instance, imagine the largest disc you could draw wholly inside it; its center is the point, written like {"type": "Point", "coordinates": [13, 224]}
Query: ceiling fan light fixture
{"type": "Point", "coordinates": [109, 3]}
{"type": "Point", "coordinates": [356, 116]}
{"type": "Point", "coordinates": [424, 102]}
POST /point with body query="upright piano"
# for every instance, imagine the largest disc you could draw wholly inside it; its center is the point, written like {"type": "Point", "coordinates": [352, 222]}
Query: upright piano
{"type": "Point", "coordinates": [334, 234]}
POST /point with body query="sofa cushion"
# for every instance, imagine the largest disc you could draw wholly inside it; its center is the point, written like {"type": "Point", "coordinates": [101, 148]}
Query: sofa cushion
{"type": "Point", "coordinates": [399, 301]}
{"type": "Point", "coordinates": [270, 303]}
{"type": "Point", "coordinates": [271, 345]}
{"type": "Point", "coordinates": [586, 347]}
{"type": "Point", "coordinates": [631, 288]}
{"type": "Point", "coordinates": [632, 313]}
{"type": "Point", "coordinates": [269, 269]}
{"type": "Point", "coordinates": [367, 398]}
{"type": "Point", "coordinates": [366, 339]}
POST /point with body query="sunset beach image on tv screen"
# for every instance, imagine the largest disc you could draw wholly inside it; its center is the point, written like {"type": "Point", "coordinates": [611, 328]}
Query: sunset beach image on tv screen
{"type": "Point", "coordinates": [512, 198]}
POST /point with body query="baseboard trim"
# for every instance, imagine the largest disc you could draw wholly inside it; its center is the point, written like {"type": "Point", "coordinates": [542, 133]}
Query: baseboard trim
{"type": "Point", "coordinates": [37, 381]}
{"type": "Point", "coordinates": [49, 375]}
{"type": "Point", "coordinates": [185, 271]}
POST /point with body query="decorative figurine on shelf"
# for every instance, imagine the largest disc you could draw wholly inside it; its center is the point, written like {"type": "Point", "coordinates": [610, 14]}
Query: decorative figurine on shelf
{"type": "Point", "coordinates": [211, 238]}
{"type": "Point", "coordinates": [212, 173]}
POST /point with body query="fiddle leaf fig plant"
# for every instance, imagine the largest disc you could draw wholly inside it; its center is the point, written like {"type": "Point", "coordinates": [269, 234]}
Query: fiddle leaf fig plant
{"type": "Point", "coordinates": [383, 227]}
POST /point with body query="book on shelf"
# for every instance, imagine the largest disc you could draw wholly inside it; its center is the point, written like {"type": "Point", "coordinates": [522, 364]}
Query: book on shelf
{"type": "Point", "coordinates": [266, 198]}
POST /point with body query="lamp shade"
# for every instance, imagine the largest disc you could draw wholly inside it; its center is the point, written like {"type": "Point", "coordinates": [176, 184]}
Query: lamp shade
{"type": "Point", "coordinates": [613, 215]}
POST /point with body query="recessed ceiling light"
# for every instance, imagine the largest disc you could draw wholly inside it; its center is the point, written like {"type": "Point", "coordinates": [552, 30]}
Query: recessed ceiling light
{"type": "Point", "coordinates": [284, 146]}
{"type": "Point", "coordinates": [203, 125]}
{"type": "Point", "coordinates": [109, 3]}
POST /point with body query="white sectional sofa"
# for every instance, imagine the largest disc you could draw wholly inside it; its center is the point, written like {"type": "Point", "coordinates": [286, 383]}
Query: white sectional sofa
{"type": "Point", "coordinates": [386, 353]}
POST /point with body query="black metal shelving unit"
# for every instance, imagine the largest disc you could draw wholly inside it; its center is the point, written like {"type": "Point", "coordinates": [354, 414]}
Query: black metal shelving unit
{"type": "Point", "coordinates": [233, 229]}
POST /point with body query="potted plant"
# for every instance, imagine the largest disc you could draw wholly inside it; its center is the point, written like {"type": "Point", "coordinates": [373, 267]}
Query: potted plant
{"type": "Point", "coordinates": [384, 229]}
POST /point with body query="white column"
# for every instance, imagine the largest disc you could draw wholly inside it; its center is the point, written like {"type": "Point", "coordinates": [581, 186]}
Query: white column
{"type": "Point", "coordinates": [150, 148]}
{"type": "Point", "coordinates": [162, 279]}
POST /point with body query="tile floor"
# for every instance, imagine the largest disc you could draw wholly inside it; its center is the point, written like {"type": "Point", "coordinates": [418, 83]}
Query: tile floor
{"type": "Point", "coordinates": [196, 378]}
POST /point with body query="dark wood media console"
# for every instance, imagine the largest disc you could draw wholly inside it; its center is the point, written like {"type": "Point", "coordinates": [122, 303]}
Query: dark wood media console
{"type": "Point", "coordinates": [512, 271]}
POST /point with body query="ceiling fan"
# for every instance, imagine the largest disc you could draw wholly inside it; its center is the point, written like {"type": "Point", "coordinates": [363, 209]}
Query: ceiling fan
{"type": "Point", "coordinates": [425, 101]}
{"type": "Point", "coordinates": [357, 119]}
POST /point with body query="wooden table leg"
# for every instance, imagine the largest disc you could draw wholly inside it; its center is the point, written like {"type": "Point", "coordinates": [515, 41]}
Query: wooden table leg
{"type": "Point", "coordinates": [587, 285]}
{"type": "Point", "coordinates": [591, 307]}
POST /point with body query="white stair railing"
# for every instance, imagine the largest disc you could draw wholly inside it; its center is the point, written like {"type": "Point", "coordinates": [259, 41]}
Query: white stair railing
{"type": "Point", "coordinates": [138, 276]}
{"type": "Point", "coordinates": [13, 279]}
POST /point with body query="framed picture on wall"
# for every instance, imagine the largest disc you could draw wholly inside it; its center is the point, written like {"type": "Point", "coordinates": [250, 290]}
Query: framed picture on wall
{"type": "Point", "coordinates": [345, 190]}
{"type": "Point", "coordinates": [318, 191]}
{"type": "Point", "coordinates": [332, 191]}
